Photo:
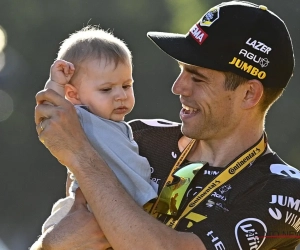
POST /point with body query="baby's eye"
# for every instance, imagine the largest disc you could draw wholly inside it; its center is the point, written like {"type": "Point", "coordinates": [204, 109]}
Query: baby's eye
{"type": "Point", "coordinates": [126, 86]}
{"type": "Point", "coordinates": [105, 90]}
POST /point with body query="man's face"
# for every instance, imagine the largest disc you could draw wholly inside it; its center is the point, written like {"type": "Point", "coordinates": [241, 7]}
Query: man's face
{"type": "Point", "coordinates": [208, 110]}
{"type": "Point", "coordinates": [107, 89]}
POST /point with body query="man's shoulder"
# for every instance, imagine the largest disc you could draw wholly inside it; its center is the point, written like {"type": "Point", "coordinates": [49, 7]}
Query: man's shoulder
{"type": "Point", "coordinates": [286, 179]}
{"type": "Point", "coordinates": [155, 129]}
{"type": "Point", "coordinates": [274, 165]}
{"type": "Point", "coordinates": [267, 176]}
{"type": "Point", "coordinates": [284, 197]}
{"type": "Point", "coordinates": [283, 178]}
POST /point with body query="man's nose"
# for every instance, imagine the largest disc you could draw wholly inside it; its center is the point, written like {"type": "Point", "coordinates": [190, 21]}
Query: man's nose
{"type": "Point", "coordinates": [181, 85]}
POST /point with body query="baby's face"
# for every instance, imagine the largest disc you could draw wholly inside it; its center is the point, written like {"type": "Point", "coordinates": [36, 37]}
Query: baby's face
{"type": "Point", "coordinates": [106, 89]}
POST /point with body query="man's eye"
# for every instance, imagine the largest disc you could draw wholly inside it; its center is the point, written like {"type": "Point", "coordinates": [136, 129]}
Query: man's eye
{"type": "Point", "coordinates": [196, 79]}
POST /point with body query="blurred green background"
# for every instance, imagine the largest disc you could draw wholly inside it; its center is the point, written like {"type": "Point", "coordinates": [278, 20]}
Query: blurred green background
{"type": "Point", "coordinates": [31, 180]}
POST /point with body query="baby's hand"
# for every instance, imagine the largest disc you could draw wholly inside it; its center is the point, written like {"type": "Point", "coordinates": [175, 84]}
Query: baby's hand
{"type": "Point", "coordinates": [61, 72]}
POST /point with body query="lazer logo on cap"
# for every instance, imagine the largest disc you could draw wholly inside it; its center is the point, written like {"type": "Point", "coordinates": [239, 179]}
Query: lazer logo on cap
{"type": "Point", "coordinates": [210, 17]}
{"type": "Point", "coordinates": [258, 46]}
{"type": "Point", "coordinates": [198, 34]}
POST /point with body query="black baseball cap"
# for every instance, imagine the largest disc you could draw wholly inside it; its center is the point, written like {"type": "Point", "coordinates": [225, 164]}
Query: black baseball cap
{"type": "Point", "coordinates": [239, 37]}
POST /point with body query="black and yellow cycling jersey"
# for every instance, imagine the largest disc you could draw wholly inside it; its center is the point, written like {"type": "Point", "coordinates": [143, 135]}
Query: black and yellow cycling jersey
{"type": "Point", "coordinates": [257, 209]}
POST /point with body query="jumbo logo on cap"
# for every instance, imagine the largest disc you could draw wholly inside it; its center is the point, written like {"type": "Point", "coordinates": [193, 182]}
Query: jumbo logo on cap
{"type": "Point", "coordinates": [210, 17]}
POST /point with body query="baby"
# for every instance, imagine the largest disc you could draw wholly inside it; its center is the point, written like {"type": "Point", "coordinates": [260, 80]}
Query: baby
{"type": "Point", "coordinates": [93, 71]}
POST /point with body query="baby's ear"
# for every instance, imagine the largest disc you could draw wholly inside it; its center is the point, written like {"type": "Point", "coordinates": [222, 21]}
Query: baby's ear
{"type": "Point", "coordinates": [71, 94]}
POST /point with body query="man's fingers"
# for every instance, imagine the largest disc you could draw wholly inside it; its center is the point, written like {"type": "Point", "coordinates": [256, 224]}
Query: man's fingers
{"type": "Point", "coordinates": [43, 110]}
{"type": "Point", "coordinates": [50, 96]}
{"type": "Point", "coordinates": [40, 127]}
{"type": "Point", "coordinates": [59, 127]}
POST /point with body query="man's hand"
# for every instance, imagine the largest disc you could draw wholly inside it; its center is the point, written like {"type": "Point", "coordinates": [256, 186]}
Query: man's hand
{"type": "Point", "coordinates": [78, 230]}
{"type": "Point", "coordinates": [59, 128]}
{"type": "Point", "coordinates": [83, 231]}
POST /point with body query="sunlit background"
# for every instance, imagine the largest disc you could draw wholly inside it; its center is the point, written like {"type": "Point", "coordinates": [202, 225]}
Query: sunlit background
{"type": "Point", "coordinates": [31, 180]}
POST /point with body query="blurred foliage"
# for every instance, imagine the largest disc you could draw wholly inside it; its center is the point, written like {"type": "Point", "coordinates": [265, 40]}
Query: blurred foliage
{"type": "Point", "coordinates": [185, 14]}
{"type": "Point", "coordinates": [31, 179]}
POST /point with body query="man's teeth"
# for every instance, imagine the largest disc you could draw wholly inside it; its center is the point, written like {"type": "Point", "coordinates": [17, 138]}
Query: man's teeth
{"type": "Point", "coordinates": [191, 110]}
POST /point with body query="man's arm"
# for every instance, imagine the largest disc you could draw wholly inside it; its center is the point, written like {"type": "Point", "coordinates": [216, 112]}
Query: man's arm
{"type": "Point", "coordinates": [124, 223]}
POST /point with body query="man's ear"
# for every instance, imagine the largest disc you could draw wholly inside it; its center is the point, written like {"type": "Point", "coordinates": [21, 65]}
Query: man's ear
{"type": "Point", "coordinates": [253, 91]}
{"type": "Point", "coordinates": [71, 94]}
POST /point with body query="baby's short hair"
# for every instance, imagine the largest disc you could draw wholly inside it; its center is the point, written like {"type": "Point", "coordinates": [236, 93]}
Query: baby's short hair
{"type": "Point", "coordinates": [91, 43]}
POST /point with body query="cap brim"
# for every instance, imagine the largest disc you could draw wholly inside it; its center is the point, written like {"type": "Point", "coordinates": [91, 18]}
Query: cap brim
{"type": "Point", "coordinates": [181, 48]}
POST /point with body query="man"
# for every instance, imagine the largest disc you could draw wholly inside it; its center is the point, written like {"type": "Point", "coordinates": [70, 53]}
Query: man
{"type": "Point", "coordinates": [227, 189]}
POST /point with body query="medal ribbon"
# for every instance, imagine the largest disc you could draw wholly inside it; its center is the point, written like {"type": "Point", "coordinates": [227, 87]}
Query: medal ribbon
{"type": "Point", "coordinates": [231, 170]}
